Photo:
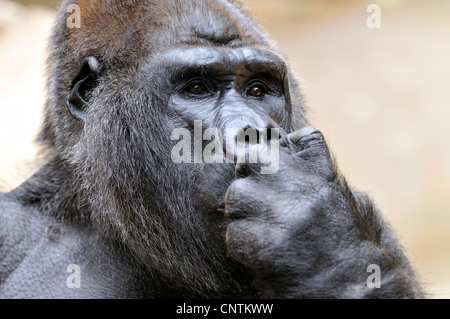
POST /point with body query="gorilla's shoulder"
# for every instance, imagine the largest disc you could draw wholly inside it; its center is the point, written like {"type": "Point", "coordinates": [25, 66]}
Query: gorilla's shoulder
{"type": "Point", "coordinates": [19, 227]}
{"type": "Point", "coordinates": [8, 203]}
{"type": "Point", "coordinates": [12, 221]}
{"type": "Point", "coordinates": [14, 215]}
{"type": "Point", "coordinates": [36, 250]}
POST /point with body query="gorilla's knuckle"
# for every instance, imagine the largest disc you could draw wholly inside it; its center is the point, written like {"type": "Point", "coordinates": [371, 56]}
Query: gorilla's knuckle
{"type": "Point", "coordinates": [306, 143]}
{"type": "Point", "coordinates": [248, 241]}
{"type": "Point", "coordinates": [308, 130]}
{"type": "Point", "coordinates": [313, 140]}
{"type": "Point", "coordinates": [237, 190]}
{"type": "Point", "coordinates": [244, 170]}
{"type": "Point", "coordinates": [302, 134]}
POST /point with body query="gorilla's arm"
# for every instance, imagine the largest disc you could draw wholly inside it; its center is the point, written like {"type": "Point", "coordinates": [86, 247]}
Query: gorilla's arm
{"type": "Point", "coordinates": [36, 250]}
{"type": "Point", "coordinates": [305, 233]}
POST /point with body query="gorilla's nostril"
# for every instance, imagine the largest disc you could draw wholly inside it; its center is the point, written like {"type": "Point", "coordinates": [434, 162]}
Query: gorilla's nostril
{"type": "Point", "coordinates": [258, 136]}
{"type": "Point", "coordinates": [243, 170]}
{"type": "Point", "coordinates": [250, 135]}
{"type": "Point", "coordinates": [269, 133]}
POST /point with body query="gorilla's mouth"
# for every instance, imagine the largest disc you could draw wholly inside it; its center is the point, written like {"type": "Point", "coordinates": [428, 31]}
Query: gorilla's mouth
{"type": "Point", "coordinates": [231, 214]}
{"type": "Point", "coordinates": [221, 208]}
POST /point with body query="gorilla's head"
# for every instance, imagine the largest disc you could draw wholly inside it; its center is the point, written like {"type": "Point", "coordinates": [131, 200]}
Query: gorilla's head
{"type": "Point", "coordinates": [121, 83]}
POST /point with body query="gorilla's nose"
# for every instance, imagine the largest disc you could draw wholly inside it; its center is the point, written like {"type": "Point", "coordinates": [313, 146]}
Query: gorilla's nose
{"type": "Point", "coordinates": [256, 135]}
{"type": "Point", "coordinates": [252, 131]}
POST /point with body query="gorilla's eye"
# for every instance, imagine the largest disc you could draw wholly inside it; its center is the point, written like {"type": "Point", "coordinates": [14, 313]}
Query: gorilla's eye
{"type": "Point", "coordinates": [196, 89]}
{"type": "Point", "coordinates": [257, 90]}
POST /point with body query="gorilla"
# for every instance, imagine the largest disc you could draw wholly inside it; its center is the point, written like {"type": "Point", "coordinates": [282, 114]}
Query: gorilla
{"type": "Point", "coordinates": [111, 214]}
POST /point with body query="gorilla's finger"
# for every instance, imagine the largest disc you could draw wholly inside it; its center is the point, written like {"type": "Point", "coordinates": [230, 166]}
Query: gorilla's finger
{"type": "Point", "coordinates": [255, 158]}
{"type": "Point", "coordinates": [243, 196]}
{"type": "Point", "coordinates": [296, 136]}
{"type": "Point", "coordinates": [310, 145]}
{"type": "Point", "coordinates": [308, 142]}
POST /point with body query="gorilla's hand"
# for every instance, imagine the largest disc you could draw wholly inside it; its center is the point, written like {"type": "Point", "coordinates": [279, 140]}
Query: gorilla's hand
{"type": "Point", "coordinates": [305, 233]}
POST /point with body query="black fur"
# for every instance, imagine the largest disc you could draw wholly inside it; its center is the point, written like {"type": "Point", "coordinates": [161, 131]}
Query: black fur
{"type": "Point", "coordinates": [140, 225]}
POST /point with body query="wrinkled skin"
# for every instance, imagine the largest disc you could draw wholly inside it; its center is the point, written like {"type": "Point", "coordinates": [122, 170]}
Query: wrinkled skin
{"type": "Point", "coordinates": [111, 199]}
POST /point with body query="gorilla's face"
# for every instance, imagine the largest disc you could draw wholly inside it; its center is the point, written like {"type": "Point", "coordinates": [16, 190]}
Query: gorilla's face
{"type": "Point", "coordinates": [223, 89]}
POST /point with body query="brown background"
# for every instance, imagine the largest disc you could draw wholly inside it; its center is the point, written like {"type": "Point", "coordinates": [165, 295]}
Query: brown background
{"type": "Point", "coordinates": [381, 96]}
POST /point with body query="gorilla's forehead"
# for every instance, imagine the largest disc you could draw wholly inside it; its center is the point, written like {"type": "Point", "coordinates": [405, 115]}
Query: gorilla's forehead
{"type": "Point", "coordinates": [222, 59]}
{"type": "Point", "coordinates": [131, 29]}
{"type": "Point", "coordinates": [204, 21]}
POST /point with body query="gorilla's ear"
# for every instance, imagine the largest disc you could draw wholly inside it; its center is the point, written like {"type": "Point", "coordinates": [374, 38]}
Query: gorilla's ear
{"type": "Point", "coordinates": [83, 83]}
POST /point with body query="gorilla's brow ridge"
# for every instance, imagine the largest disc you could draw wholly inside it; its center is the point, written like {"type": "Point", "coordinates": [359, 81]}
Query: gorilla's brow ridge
{"type": "Point", "coordinates": [200, 61]}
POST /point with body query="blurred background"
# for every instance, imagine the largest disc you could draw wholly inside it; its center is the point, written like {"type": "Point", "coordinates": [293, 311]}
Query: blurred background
{"type": "Point", "coordinates": [381, 97]}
